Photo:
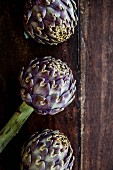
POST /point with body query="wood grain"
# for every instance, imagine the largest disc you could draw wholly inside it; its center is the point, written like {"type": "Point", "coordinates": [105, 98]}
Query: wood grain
{"type": "Point", "coordinates": [16, 51]}
{"type": "Point", "coordinates": [96, 84]}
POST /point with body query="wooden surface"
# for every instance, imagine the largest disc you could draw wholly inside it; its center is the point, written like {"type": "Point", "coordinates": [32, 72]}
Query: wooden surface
{"type": "Point", "coordinates": [16, 51]}
{"type": "Point", "coordinates": [96, 84]}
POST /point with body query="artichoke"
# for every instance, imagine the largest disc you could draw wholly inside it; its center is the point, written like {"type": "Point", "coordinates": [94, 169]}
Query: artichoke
{"type": "Point", "coordinates": [47, 85]}
{"type": "Point", "coordinates": [50, 21]}
{"type": "Point", "coordinates": [48, 150]}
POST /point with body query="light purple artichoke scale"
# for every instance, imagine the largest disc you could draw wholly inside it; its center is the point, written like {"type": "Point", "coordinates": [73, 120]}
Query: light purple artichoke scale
{"type": "Point", "coordinates": [50, 21]}
{"type": "Point", "coordinates": [47, 150]}
{"type": "Point", "coordinates": [47, 85]}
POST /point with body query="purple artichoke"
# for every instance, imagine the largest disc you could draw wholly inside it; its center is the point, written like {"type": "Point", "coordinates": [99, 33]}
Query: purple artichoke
{"type": "Point", "coordinates": [47, 85]}
{"type": "Point", "coordinates": [50, 21]}
{"type": "Point", "coordinates": [48, 150]}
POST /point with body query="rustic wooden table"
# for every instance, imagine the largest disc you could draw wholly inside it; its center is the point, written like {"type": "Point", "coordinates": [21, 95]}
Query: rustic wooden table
{"type": "Point", "coordinates": [16, 51]}
{"type": "Point", "coordinates": [90, 130]}
{"type": "Point", "coordinates": [96, 84]}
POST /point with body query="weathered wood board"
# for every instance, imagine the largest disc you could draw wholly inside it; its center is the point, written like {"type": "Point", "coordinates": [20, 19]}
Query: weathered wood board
{"type": "Point", "coordinates": [96, 53]}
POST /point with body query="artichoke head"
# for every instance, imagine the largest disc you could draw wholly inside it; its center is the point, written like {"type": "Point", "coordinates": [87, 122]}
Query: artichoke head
{"type": "Point", "coordinates": [50, 21]}
{"type": "Point", "coordinates": [48, 150]}
{"type": "Point", "coordinates": [47, 85]}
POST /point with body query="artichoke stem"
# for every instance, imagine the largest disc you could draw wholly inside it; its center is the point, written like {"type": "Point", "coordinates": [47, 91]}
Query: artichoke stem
{"type": "Point", "coordinates": [14, 124]}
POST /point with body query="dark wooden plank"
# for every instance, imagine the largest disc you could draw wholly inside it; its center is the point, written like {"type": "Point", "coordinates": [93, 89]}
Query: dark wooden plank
{"type": "Point", "coordinates": [96, 85]}
{"type": "Point", "coordinates": [15, 52]}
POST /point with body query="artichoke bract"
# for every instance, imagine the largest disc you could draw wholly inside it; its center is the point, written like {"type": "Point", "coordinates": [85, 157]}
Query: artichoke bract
{"type": "Point", "coordinates": [47, 85]}
{"type": "Point", "coordinates": [48, 150]}
{"type": "Point", "coordinates": [50, 21]}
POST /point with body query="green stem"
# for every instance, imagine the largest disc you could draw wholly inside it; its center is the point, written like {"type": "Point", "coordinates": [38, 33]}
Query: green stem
{"type": "Point", "coordinates": [14, 124]}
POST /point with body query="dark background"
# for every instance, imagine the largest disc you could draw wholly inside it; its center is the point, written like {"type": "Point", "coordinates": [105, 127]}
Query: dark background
{"type": "Point", "coordinates": [15, 52]}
